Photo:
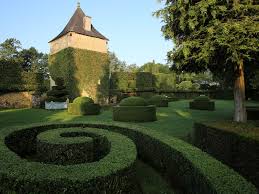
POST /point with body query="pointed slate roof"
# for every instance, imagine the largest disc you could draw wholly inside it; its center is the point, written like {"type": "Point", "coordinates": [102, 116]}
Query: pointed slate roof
{"type": "Point", "coordinates": [76, 24]}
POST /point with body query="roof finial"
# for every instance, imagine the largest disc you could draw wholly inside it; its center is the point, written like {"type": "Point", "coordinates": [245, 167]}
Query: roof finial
{"type": "Point", "coordinates": [78, 4]}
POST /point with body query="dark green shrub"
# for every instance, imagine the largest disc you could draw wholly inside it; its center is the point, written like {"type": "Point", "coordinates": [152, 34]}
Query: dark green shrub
{"type": "Point", "coordinates": [114, 173]}
{"type": "Point", "coordinates": [252, 112]}
{"type": "Point", "coordinates": [134, 113]}
{"type": "Point", "coordinates": [84, 106]}
{"type": "Point", "coordinates": [58, 93]}
{"type": "Point", "coordinates": [202, 103]}
{"type": "Point", "coordinates": [235, 144]}
{"type": "Point", "coordinates": [133, 101]}
{"type": "Point", "coordinates": [182, 164]}
{"type": "Point", "coordinates": [159, 101]}
{"type": "Point", "coordinates": [67, 146]}
{"type": "Point", "coordinates": [59, 81]}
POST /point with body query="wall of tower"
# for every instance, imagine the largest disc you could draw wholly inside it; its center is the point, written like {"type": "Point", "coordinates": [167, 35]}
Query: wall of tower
{"type": "Point", "coordinates": [79, 41]}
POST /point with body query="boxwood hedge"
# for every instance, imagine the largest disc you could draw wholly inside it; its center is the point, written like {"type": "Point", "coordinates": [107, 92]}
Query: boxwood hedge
{"type": "Point", "coordinates": [84, 106]}
{"type": "Point", "coordinates": [202, 103]}
{"type": "Point", "coordinates": [159, 101]}
{"type": "Point", "coordinates": [72, 146]}
{"type": "Point", "coordinates": [235, 144]}
{"type": "Point", "coordinates": [188, 167]}
{"type": "Point", "coordinates": [134, 109]}
{"type": "Point", "coordinates": [115, 173]}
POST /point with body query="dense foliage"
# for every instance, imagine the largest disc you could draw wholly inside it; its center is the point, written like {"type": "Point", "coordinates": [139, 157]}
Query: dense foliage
{"type": "Point", "coordinates": [58, 92]}
{"type": "Point", "coordinates": [221, 36]}
{"type": "Point", "coordinates": [191, 169]}
{"type": "Point", "coordinates": [234, 144]}
{"type": "Point", "coordinates": [15, 79]}
{"type": "Point", "coordinates": [202, 103]}
{"type": "Point", "coordinates": [115, 173]}
{"type": "Point", "coordinates": [84, 106]}
{"type": "Point", "coordinates": [85, 72]}
{"type": "Point", "coordinates": [159, 101]}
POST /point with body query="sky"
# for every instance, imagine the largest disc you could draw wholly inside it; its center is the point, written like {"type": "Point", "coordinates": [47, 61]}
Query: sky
{"type": "Point", "coordinates": [135, 35]}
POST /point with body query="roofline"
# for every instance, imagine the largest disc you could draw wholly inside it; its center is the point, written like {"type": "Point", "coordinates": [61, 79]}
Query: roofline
{"type": "Point", "coordinates": [77, 33]}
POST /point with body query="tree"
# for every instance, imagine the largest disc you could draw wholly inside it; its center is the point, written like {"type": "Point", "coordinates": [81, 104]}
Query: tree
{"type": "Point", "coordinates": [154, 68]}
{"type": "Point", "coordinates": [221, 36]}
{"type": "Point", "coordinates": [9, 49]}
{"type": "Point", "coordinates": [115, 64]}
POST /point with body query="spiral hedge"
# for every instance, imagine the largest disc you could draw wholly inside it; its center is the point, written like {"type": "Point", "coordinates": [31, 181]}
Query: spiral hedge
{"type": "Point", "coordinates": [184, 165]}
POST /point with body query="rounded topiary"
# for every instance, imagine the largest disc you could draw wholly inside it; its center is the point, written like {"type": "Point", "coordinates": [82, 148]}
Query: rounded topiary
{"type": "Point", "coordinates": [134, 109]}
{"type": "Point", "coordinates": [159, 101]}
{"type": "Point", "coordinates": [202, 98]}
{"type": "Point", "coordinates": [202, 103]}
{"type": "Point", "coordinates": [84, 106]}
{"type": "Point", "coordinates": [59, 81]}
{"type": "Point", "coordinates": [80, 100]}
{"type": "Point", "coordinates": [133, 101]}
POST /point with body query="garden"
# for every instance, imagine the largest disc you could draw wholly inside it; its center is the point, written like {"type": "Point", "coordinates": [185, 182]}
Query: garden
{"type": "Point", "coordinates": [82, 121]}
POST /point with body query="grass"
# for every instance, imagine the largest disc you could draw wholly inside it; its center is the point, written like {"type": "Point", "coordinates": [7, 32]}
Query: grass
{"type": "Point", "coordinates": [176, 120]}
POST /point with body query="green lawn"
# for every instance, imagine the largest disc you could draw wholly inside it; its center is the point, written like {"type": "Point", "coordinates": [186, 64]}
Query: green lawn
{"type": "Point", "coordinates": [177, 120]}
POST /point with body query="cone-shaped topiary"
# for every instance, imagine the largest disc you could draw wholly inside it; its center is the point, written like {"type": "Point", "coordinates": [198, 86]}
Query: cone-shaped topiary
{"type": "Point", "coordinates": [58, 92]}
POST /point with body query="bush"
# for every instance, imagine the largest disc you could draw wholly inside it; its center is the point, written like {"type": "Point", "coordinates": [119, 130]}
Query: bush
{"type": "Point", "coordinates": [133, 101]}
{"type": "Point", "coordinates": [58, 93]}
{"type": "Point", "coordinates": [235, 144]}
{"type": "Point", "coordinates": [252, 112]}
{"type": "Point", "coordinates": [202, 103]}
{"type": "Point", "coordinates": [67, 146]}
{"type": "Point", "coordinates": [115, 173]}
{"type": "Point", "coordinates": [134, 113]}
{"type": "Point", "coordinates": [182, 164]}
{"type": "Point", "coordinates": [159, 101]}
{"type": "Point", "coordinates": [84, 106]}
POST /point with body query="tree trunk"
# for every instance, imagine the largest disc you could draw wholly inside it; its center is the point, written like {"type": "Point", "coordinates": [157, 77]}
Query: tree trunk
{"type": "Point", "coordinates": [239, 94]}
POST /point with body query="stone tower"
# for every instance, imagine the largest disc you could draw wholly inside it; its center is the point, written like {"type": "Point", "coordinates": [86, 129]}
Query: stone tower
{"type": "Point", "coordinates": [79, 55]}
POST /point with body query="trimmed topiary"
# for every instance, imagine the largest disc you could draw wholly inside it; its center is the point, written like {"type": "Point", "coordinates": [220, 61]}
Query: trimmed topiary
{"type": "Point", "coordinates": [133, 101]}
{"type": "Point", "coordinates": [66, 146]}
{"type": "Point", "coordinates": [159, 101]}
{"type": "Point", "coordinates": [182, 164]}
{"type": "Point", "coordinates": [84, 106]}
{"type": "Point", "coordinates": [57, 97]}
{"type": "Point", "coordinates": [21, 171]}
{"type": "Point", "coordinates": [134, 109]}
{"type": "Point", "coordinates": [235, 144]}
{"type": "Point", "coordinates": [202, 103]}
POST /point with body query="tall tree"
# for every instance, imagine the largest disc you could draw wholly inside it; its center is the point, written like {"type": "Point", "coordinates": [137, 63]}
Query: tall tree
{"type": "Point", "coordinates": [222, 36]}
{"type": "Point", "coordinates": [9, 49]}
{"type": "Point", "coordinates": [155, 68]}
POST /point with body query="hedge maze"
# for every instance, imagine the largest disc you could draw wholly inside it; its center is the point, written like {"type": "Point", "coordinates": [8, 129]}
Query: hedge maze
{"type": "Point", "coordinates": [108, 153]}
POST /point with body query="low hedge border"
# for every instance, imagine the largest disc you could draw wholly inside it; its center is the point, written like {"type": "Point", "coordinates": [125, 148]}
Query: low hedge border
{"type": "Point", "coordinates": [235, 144]}
{"type": "Point", "coordinates": [200, 105]}
{"type": "Point", "coordinates": [112, 174]}
{"type": "Point", "coordinates": [159, 101]}
{"type": "Point", "coordinates": [134, 113]}
{"type": "Point", "coordinates": [252, 112]}
{"type": "Point", "coordinates": [193, 170]}
{"type": "Point", "coordinates": [67, 146]}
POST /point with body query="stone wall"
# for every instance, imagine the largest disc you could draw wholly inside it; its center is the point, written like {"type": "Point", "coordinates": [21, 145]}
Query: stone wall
{"type": "Point", "coordinates": [79, 41]}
